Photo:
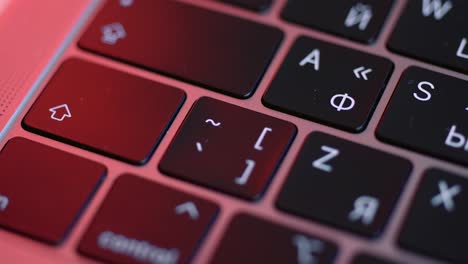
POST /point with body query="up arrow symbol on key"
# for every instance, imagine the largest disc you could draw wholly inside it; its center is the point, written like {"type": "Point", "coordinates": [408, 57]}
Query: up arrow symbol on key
{"type": "Point", "coordinates": [60, 112]}
{"type": "Point", "coordinates": [188, 208]}
{"type": "Point", "coordinates": [362, 72]}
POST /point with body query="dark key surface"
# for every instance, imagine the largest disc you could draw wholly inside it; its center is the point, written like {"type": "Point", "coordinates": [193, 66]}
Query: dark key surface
{"type": "Point", "coordinates": [228, 148]}
{"type": "Point", "coordinates": [344, 184]}
{"type": "Point", "coordinates": [329, 84]}
{"type": "Point", "coordinates": [43, 190]}
{"type": "Point", "coordinates": [368, 259]}
{"type": "Point", "coordinates": [428, 113]}
{"type": "Point", "coordinates": [107, 111]}
{"type": "Point", "coordinates": [144, 222]}
{"type": "Point", "coordinates": [252, 240]}
{"type": "Point", "coordinates": [255, 5]}
{"type": "Point", "coordinates": [359, 20]}
{"type": "Point", "coordinates": [221, 52]}
{"type": "Point", "coordinates": [434, 31]}
{"type": "Point", "coordinates": [436, 222]}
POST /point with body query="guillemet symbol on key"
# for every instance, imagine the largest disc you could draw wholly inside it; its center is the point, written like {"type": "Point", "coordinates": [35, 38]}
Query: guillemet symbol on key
{"type": "Point", "coordinates": [60, 112]}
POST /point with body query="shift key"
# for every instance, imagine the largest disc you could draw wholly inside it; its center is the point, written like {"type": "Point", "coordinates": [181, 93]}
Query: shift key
{"type": "Point", "coordinates": [211, 49]}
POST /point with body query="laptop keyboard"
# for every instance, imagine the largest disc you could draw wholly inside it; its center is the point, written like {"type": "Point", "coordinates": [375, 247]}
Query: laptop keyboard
{"type": "Point", "coordinates": [330, 150]}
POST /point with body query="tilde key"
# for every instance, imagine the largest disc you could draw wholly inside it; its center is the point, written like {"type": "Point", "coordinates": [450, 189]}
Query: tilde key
{"type": "Point", "coordinates": [329, 84]}
{"type": "Point", "coordinates": [228, 148]}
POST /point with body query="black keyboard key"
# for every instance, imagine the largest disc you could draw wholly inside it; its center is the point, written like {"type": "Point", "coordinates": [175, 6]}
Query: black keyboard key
{"type": "Point", "coordinates": [436, 221]}
{"type": "Point", "coordinates": [428, 113]}
{"type": "Point", "coordinates": [144, 222]}
{"type": "Point", "coordinates": [252, 240]}
{"type": "Point", "coordinates": [360, 20]}
{"type": "Point", "coordinates": [344, 184]}
{"type": "Point", "coordinates": [435, 31]}
{"type": "Point", "coordinates": [329, 84]}
{"type": "Point", "coordinates": [255, 5]}
{"type": "Point", "coordinates": [228, 148]}
{"type": "Point", "coordinates": [223, 53]}
{"type": "Point", "coordinates": [368, 259]}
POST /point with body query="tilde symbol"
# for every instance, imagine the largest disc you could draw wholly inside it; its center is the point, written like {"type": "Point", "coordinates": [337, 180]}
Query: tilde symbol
{"type": "Point", "coordinates": [345, 103]}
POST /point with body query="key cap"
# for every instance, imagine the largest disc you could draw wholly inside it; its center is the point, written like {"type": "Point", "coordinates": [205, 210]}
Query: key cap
{"type": "Point", "coordinates": [329, 84]}
{"type": "Point", "coordinates": [368, 259]}
{"type": "Point", "coordinates": [104, 110]}
{"type": "Point", "coordinates": [228, 148]}
{"type": "Point", "coordinates": [344, 184]}
{"type": "Point", "coordinates": [359, 20]}
{"type": "Point", "coordinates": [254, 5]}
{"type": "Point", "coordinates": [436, 222]}
{"type": "Point", "coordinates": [223, 53]}
{"type": "Point", "coordinates": [428, 113]}
{"type": "Point", "coordinates": [434, 31]}
{"type": "Point", "coordinates": [44, 190]}
{"type": "Point", "coordinates": [252, 240]}
{"type": "Point", "coordinates": [144, 222]}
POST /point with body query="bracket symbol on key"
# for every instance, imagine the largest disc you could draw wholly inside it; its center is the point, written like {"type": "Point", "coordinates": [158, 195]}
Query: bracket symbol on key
{"type": "Point", "coordinates": [258, 144]}
{"type": "Point", "coordinates": [242, 180]}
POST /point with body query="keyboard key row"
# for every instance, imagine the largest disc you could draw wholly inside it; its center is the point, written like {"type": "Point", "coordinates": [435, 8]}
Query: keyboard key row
{"type": "Point", "coordinates": [320, 186]}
